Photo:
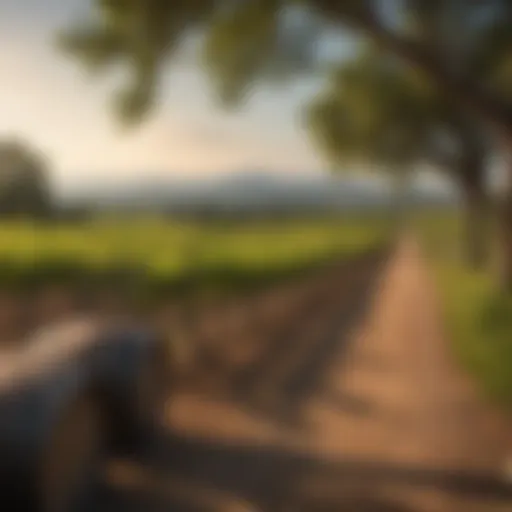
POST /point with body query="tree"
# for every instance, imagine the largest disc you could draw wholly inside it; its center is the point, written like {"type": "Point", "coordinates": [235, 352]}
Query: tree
{"type": "Point", "coordinates": [434, 130]}
{"type": "Point", "coordinates": [24, 184]}
{"type": "Point", "coordinates": [378, 112]}
{"type": "Point", "coordinates": [474, 41]}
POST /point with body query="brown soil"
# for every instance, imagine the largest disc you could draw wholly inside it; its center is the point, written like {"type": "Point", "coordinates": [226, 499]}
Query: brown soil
{"type": "Point", "coordinates": [295, 409]}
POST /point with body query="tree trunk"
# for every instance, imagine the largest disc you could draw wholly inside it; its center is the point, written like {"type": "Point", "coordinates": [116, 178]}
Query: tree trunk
{"type": "Point", "coordinates": [505, 242]}
{"type": "Point", "coordinates": [402, 189]}
{"type": "Point", "coordinates": [475, 222]}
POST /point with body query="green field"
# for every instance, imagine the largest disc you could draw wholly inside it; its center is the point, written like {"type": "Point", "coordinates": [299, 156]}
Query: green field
{"type": "Point", "coordinates": [478, 318]}
{"type": "Point", "coordinates": [162, 255]}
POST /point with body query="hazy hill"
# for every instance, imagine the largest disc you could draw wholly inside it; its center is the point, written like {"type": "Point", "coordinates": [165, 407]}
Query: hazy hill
{"type": "Point", "coordinates": [251, 190]}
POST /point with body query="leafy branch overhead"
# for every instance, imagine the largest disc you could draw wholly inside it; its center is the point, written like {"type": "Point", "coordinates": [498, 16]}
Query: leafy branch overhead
{"type": "Point", "coordinates": [244, 41]}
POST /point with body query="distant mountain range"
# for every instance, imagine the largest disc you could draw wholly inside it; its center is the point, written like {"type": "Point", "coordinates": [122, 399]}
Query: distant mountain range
{"type": "Point", "coordinates": [254, 190]}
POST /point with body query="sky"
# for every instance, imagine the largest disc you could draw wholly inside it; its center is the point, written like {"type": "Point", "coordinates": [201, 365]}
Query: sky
{"type": "Point", "coordinates": [48, 100]}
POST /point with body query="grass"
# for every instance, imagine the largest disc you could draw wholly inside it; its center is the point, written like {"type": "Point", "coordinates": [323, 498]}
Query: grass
{"type": "Point", "coordinates": [160, 256]}
{"type": "Point", "coordinates": [480, 322]}
{"type": "Point", "coordinates": [478, 317]}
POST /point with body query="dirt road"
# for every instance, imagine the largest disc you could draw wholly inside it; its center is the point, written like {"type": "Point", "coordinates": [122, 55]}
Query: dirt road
{"type": "Point", "coordinates": [332, 418]}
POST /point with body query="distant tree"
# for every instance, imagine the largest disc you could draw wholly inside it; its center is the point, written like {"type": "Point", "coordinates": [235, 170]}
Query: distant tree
{"type": "Point", "coordinates": [24, 181]}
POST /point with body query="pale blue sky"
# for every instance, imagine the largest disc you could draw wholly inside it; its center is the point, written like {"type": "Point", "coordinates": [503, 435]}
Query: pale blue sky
{"type": "Point", "coordinates": [48, 100]}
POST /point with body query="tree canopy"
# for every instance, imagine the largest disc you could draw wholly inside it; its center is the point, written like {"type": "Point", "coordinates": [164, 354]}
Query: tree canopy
{"type": "Point", "coordinates": [377, 107]}
{"type": "Point", "coordinates": [372, 111]}
{"type": "Point", "coordinates": [244, 41]}
{"type": "Point", "coordinates": [24, 181]}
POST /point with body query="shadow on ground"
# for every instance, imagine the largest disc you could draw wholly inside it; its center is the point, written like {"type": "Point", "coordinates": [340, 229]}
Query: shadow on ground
{"type": "Point", "coordinates": [188, 475]}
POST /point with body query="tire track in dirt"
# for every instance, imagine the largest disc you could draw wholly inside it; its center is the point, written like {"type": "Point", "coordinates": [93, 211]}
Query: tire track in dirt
{"type": "Point", "coordinates": [303, 344]}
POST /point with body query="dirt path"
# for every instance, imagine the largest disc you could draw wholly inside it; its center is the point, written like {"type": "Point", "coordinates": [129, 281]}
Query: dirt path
{"type": "Point", "coordinates": [402, 400]}
{"type": "Point", "coordinates": [392, 426]}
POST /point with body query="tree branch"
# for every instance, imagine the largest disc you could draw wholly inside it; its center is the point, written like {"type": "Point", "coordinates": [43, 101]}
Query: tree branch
{"type": "Point", "coordinates": [461, 89]}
